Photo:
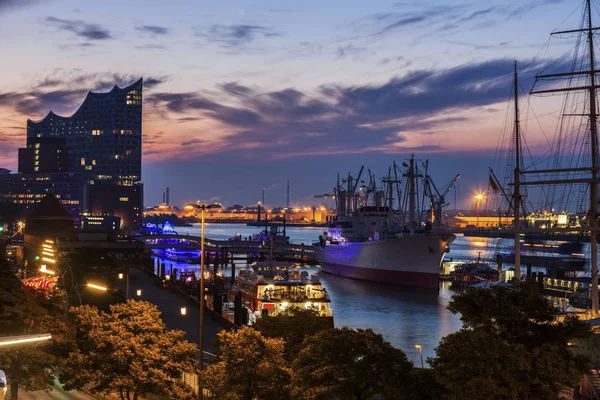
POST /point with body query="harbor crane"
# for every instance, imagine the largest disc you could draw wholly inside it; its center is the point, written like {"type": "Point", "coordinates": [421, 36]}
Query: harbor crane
{"type": "Point", "coordinates": [437, 198]}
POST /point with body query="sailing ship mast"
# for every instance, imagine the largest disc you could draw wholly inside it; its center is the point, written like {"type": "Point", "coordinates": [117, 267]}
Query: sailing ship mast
{"type": "Point", "coordinates": [593, 214]}
{"type": "Point", "coordinates": [517, 183]}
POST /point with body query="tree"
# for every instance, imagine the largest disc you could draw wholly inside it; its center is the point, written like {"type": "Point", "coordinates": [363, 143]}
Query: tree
{"type": "Point", "coordinates": [28, 366]}
{"type": "Point", "coordinates": [248, 367]}
{"type": "Point", "coordinates": [293, 326]}
{"type": "Point", "coordinates": [350, 364]}
{"type": "Point", "coordinates": [127, 351]}
{"type": "Point", "coordinates": [513, 345]}
{"type": "Point", "coordinates": [82, 266]}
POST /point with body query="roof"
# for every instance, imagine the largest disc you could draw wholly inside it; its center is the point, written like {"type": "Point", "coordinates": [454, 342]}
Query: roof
{"type": "Point", "coordinates": [50, 207]}
{"type": "Point", "coordinates": [116, 89]}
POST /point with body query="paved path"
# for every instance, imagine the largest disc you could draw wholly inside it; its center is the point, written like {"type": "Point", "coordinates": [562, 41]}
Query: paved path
{"type": "Point", "coordinates": [170, 303]}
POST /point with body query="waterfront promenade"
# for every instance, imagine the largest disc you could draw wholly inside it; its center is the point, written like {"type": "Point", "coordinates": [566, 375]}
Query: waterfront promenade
{"type": "Point", "coordinates": [169, 303]}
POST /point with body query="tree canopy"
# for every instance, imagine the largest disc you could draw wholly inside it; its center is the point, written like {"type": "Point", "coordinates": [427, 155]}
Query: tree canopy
{"type": "Point", "coordinates": [513, 345]}
{"type": "Point", "coordinates": [127, 351]}
{"type": "Point", "coordinates": [351, 364]}
{"type": "Point", "coordinates": [293, 326]}
{"type": "Point", "coordinates": [248, 366]}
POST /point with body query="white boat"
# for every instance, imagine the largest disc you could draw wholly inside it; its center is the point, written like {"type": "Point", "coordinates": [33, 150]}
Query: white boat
{"type": "Point", "coordinates": [409, 261]}
{"type": "Point", "coordinates": [374, 242]}
{"type": "Point", "coordinates": [269, 288]}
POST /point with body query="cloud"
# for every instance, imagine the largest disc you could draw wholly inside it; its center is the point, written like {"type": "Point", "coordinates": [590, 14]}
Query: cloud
{"type": "Point", "coordinates": [235, 36]}
{"type": "Point", "coordinates": [12, 4]}
{"type": "Point", "coordinates": [191, 142]}
{"type": "Point", "coordinates": [80, 28]}
{"type": "Point", "coordinates": [339, 119]}
{"type": "Point", "coordinates": [350, 51]}
{"type": "Point", "coordinates": [151, 47]}
{"type": "Point", "coordinates": [152, 29]}
{"type": "Point", "coordinates": [63, 92]}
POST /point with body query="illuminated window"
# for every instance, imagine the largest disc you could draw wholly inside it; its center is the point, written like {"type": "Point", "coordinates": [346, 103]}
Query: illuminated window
{"type": "Point", "coordinates": [97, 132]}
{"type": "Point", "coordinates": [123, 198]}
{"type": "Point", "coordinates": [82, 161]}
{"type": "Point", "coordinates": [37, 145]}
{"type": "Point", "coordinates": [93, 162]}
{"type": "Point", "coordinates": [116, 156]}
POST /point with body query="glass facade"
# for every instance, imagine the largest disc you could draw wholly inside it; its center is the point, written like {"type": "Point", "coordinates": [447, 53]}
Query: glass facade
{"type": "Point", "coordinates": [91, 161]}
{"type": "Point", "coordinates": [104, 135]}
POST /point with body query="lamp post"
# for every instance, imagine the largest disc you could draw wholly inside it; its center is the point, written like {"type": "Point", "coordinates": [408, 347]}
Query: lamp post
{"type": "Point", "coordinates": [418, 346]}
{"type": "Point", "coordinates": [202, 208]}
{"type": "Point", "coordinates": [126, 283]}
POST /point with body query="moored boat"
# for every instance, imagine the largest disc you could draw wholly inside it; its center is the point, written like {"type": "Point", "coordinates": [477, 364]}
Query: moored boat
{"type": "Point", "coordinates": [269, 288]}
{"type": "Point", "coordinates": [370, 240]}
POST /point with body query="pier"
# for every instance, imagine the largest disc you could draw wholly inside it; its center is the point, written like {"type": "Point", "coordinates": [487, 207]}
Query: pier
{"type": "Point", "coordinates": [229, 250]}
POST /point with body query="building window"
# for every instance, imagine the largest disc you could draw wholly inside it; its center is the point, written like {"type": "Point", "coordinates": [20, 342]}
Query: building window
{"type": "Point", "coordinates": [123, 198]}
{"type": "Point", "coordinates": [82, 161]}
{"type": "Point", "coordinates": [97, 132]}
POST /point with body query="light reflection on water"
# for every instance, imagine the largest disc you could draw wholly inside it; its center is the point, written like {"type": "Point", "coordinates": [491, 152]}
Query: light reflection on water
{"type": "Point", "coordinates": [404, 316]}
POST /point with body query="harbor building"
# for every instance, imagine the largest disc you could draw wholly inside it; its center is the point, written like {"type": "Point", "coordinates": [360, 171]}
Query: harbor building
{"type": "Point", "coordinates": [91, 160]}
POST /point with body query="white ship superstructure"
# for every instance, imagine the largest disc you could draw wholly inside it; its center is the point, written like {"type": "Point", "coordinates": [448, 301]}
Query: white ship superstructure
{"type": "Point", "coordinates": [370, 240]}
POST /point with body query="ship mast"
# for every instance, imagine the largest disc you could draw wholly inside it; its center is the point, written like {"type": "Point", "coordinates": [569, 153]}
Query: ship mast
{"type": "Point", "coordinates": [517, 183]}
{"type": "Point", "coordinates": [593, 182]}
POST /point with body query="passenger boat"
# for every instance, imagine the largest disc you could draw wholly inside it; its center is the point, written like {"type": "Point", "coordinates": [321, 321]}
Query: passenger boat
{"type": "Point", "coordinates": [269, 288]}
{"type": "Point", "coordinates": [183, 255]}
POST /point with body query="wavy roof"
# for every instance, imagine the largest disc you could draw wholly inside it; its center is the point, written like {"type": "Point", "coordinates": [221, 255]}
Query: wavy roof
{"type": "Point", "coordinates": [115, 89]}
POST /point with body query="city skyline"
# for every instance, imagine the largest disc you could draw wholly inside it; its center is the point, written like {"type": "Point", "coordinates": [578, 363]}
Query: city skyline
{"type": "Point", "coordinates": [234, 103]}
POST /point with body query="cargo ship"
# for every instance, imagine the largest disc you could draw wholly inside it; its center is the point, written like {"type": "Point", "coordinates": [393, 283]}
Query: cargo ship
{"type": "Point", "coordinates": [372, 241]}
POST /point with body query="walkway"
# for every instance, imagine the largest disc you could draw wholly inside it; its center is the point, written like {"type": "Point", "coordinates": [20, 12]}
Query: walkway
{"type": "Point", "coordinates": [169, 303]}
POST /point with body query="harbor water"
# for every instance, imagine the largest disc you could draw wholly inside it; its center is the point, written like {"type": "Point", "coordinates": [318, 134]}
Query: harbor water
{"type": "Point", "coordinates": [404, 316]}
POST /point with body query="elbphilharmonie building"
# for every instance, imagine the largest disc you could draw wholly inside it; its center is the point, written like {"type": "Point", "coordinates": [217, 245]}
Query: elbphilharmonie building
{"type": "Point", "coordinates": [91, 160]}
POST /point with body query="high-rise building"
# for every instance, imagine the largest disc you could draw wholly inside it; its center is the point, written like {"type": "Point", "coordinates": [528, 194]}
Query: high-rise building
{"type": "Point", "coordinates": [104, 135]}
{"type": "Point", "coordinates": [44, 155]}
{"type": "Point", "coordinates": [100, 145]}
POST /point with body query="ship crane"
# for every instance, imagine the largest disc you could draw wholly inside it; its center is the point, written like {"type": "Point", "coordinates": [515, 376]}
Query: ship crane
{"type": "Point", "coordinates": [438, 199]}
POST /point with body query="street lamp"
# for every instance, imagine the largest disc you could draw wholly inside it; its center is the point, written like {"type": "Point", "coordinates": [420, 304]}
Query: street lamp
{"type": "Point", "coordinates": [418, 346]}
{"type": "Point", "coordinates": [203, 208]}
{"type": "Point", "coordinates": [126, 284]}
{"type": "Point", "coordinates": [478, 198]}
{"type": "Point", "coordinates": [183, 310]}
{"type": "Point", "coordinates": [97, 287]}
{"type": "Point", "coordinates": [139, 292]}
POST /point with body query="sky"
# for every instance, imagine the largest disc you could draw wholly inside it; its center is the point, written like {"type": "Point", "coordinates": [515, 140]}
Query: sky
{"type": "Point", "coordinates": [245, 95]}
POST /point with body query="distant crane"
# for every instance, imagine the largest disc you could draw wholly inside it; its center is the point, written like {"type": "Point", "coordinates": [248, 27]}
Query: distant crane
{"type": "Point", "coordinates": [438, 199]}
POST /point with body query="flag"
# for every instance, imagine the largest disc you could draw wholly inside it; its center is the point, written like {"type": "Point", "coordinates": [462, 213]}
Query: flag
{"type": "Point", "coordinates": [493, 185]}
{"type": "Point", "coordinates": [404, 164]}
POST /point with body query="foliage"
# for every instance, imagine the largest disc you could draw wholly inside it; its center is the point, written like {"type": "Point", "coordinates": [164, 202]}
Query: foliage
{"type": "Point", "coordinates": [519, 316]}
{"type": "Point", "coordinates": [82, 266]}
{"type": "Point", "coordinates": [127, 351]}
{"type": "Point", "coordinates": [351, 364]}
{"type": "Point", "coordinates": [249, 366]}
{"type": "Point", "coordinates": [293, 326]}
{"type": "Point", "coordinates": [22, 313]}
{"type": "Point", "coordinates": [513, 345]}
